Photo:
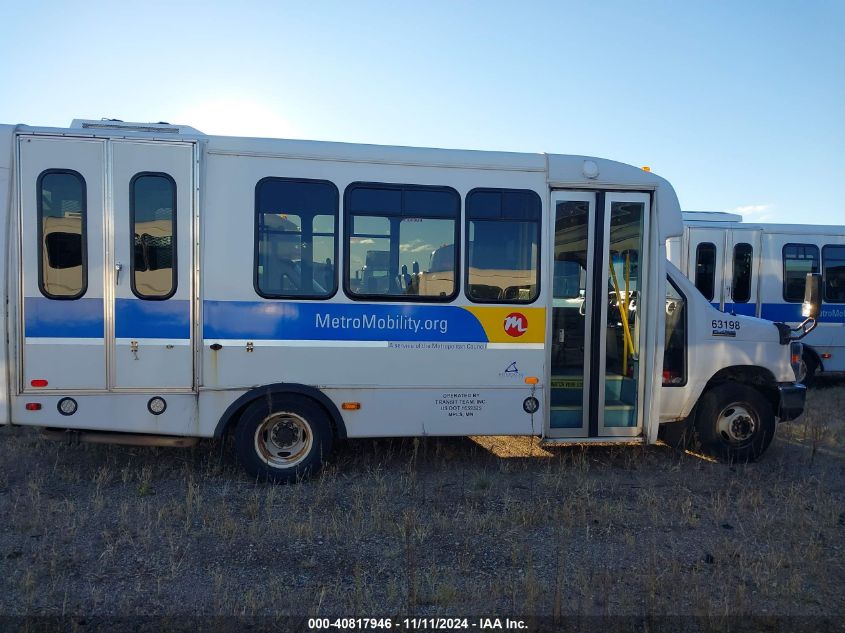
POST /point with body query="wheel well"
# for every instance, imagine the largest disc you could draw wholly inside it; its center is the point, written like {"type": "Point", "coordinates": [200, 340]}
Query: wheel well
{"type": "Point", "coordinates": [234, 411]}
{"type": "Point", "coordinates": [811, 352]}
{"type": "Point", "coordinates": [759, 378]}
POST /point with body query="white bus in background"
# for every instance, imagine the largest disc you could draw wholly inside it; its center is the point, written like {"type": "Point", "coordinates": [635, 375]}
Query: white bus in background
{"type": "Point", "coordinates": [758, 269]}
{"type": "Point", "coordinates": [162, 285]}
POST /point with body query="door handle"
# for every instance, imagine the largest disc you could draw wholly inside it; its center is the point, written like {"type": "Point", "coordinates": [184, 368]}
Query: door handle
{"type": "Point", "coordinates": [117, 268]}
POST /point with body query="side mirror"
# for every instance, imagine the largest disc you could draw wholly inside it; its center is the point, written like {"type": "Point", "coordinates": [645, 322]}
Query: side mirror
{"type": "Point", "coordinates": [811, 307]}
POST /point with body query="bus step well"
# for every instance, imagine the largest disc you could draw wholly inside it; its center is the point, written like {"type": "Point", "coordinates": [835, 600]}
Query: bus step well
{"type": "Point", "coordinates": [567, 395]}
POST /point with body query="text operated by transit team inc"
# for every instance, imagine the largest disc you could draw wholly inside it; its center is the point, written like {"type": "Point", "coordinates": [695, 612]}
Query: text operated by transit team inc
{"type": "Point", "coordinates": [417, 624]}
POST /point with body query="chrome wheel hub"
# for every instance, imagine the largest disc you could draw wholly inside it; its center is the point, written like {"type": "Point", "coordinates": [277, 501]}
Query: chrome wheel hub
{"type": "Point", "coordinates": [283, 440]}
{"type": "Point", "coordinates": [737, 423]}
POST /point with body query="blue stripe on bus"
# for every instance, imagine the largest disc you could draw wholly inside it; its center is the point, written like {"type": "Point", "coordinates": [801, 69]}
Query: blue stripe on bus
{"type": "Point", "coordinates": [786, 312]}
{"type": "Point", "coordinates": [263, 320]}
{"type": "Point", "coordinates": [134, 318]}
{"type": "Point", "coordinates": [745, 309]}
{"type": "Point", "coordinates": [791, 313]}
{"type": "Point", "coordinates": [51, 318]}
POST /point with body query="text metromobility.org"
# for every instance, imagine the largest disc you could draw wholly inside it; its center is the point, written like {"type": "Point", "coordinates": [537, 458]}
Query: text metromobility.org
{"type": "Point", "coordinates": [389, 322]}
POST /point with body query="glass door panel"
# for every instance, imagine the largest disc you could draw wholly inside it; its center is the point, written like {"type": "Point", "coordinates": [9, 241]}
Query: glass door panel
{"type": "Point", "coordinates": [599, 250]}
{"type": "Point", "coordinates": [571, 313]}
{"type": "Point", "coordinates": [625, 226]}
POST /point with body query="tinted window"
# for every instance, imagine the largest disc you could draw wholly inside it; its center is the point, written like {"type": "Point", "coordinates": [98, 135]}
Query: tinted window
{"type": "Point", "coordinates": [570, 280]}
{"type": "Point", "coordinates": [675, 349]}
{"type": "Point", "coordinates": [503, 237]}
{"type": "Point", "coordinates": [834, 273]}
{"type": "Point", "coordinates": [705, 269]}
{"type": "Point", "coordinates": [153, 218]}
{"type": "Point", "coordinates": [401, 241]}
{"type": "Point", "coordinates": [295, 229]}
{"type": "Point", "coordinates": [798, 260]}
{"type": "Point", "coordinates": [741, 288]}
{"type": "Point", "coordinates": [61, 226]}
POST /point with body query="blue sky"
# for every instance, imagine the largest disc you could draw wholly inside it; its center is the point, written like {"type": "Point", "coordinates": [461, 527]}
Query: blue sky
{"type": "Point", "coordinates": [740, 104]}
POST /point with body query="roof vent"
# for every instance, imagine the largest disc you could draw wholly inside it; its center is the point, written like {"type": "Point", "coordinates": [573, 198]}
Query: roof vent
{"type": "Point", "coordinates": [134, 128]}
{"type": "Point", "coordinates": [117, 124]}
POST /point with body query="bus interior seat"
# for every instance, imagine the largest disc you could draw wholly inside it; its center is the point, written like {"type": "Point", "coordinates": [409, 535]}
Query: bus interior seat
{"type": "Point", "coordinates": [516, 293]}
{"type": "Point", "coordinates": [484, 292]}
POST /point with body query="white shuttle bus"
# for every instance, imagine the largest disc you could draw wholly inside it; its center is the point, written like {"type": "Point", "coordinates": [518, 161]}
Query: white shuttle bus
{"type": "Point", "coordinates": [162, 285]}
{"type": "Point", "coordinates": [759, 269]}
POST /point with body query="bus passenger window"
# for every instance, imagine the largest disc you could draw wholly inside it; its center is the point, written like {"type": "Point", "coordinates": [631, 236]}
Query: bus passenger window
{"type": "Point", "coordinates": [741, 287]}
{"type": "Point", "coordinates": [705, 269]}
{"type": "Point", "coordinates": [401, 241]}
{"type": "Point", "coordinates": [834, 273]}
{"type": "Point", "coordinates": [798, 260]}
{"type": "Point", "coordinates": [503, 237]}
{"type": "Point", "coordinates": [295, 228]}
{"type": "Point", "coordinates": [675, 346]}
{"type": "Point", "coordinates": [152, 213]}
{"type": "Point", "coordinates": [61, 239]}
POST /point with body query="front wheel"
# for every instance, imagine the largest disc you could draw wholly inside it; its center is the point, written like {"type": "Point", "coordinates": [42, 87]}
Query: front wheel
{"type": "Point", "coordinates": [735, 422]}
{"type": "Point", "coordinates": [807, 368]}
{"type": "Point", "coordinates": [284, 441]}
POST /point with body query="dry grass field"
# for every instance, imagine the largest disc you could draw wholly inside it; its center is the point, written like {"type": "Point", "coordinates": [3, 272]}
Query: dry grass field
{"type": "Point", "coordinates": [487, 526]}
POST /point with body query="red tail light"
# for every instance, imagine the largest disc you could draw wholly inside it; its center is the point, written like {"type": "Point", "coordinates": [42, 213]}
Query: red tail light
{"type": "Point", "coordinates": [33, 406]}
{"type": "Point", "coordinates": [38, 382]}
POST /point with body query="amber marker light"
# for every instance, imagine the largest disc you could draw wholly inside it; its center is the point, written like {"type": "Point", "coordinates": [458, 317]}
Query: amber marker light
{"type": "Point", "coordinates": [350, 406]}
{"type": "Point", "coordinates": [646, 168]}
{"type": "Point", "coordinates": [531, 380]}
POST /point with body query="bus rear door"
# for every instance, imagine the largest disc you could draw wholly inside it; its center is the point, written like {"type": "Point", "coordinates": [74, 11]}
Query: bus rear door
{"type": "Point", "coordinates": [107, 264]}
{"type": "Point", "coordinates": [152, 187]}
{"type": "Point", "coordinates": [63, 317]}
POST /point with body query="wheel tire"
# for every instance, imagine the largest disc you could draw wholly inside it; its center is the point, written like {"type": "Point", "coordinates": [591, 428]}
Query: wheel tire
{"type": "Point", "coordinates": [283, 439]}
{"type": "Point", "coordinates": [734, 422]}
{"type": "Point", "coordinates": [807, 370]}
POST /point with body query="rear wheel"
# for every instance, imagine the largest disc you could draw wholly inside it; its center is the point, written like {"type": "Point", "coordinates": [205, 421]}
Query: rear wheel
{"type": "Point", "coordinates": [734, 422]}
{"type": "Point", "coordinates": [283, 441]}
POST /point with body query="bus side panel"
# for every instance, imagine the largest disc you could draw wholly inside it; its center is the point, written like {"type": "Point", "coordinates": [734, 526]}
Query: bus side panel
{"type": "Point", "coordinates": [414, 354]}
{"type": "Point", "coordinates": [829, 336]}
{"type": "Point", "coordinates": [444, 411]}
{"type": "Point", "coordinates": [411, 412]}
{"type": "Point", "coordinates": [6, 193]}
{"type": "Point", "coordinates": [125, 412]}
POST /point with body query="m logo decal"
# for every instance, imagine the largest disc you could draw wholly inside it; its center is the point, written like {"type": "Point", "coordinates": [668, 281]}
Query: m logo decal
{"type": "Point", "coordinates": [516, 324]}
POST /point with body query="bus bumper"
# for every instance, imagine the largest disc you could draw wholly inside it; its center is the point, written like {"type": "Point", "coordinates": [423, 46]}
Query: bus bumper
{"type": "Point", "coordinates": [792, 396]}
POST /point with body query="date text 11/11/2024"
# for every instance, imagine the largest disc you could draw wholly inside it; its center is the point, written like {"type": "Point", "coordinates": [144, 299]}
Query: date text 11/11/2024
{"type": "Point", "coordinates": [417, 624]}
